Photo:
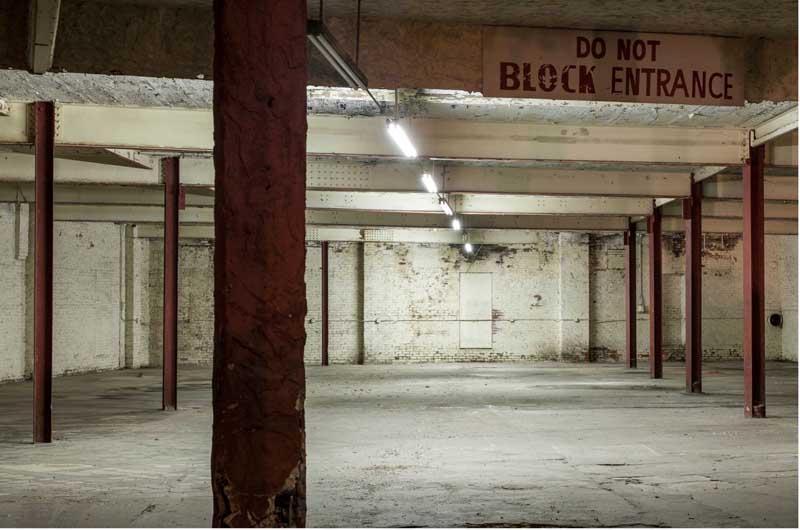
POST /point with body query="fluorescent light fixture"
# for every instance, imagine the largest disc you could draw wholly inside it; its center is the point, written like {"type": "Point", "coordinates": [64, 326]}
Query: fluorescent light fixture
{"type": "Point", "coordinates": [468, 248]}
{"type": "Point", "coordinates": [401, 139]}
{"type": "Point", "coordinates": [456, 224]}
{"type": "Point", "coordinates": [323, 41]}
{"type": "Point", "coordinates": [445, 207]}
{"type": "Point", "coordinates": [429, 183]}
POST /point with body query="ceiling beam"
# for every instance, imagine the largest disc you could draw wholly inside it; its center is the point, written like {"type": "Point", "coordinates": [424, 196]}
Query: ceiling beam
{"type": "Point", "coordinates": [729, 226]}
{"type": "Point", "coordinates": [190, 130]}
{"type": "Point", "coordinates": [469, 204]}
{"type": "Point", "coordinates": [774, 127]}
{"type": "Point", "coordinates": [43, 24]}
{"type": "Point", "coordinates": [775, 188]}
{"type": "Point", "coordinates": [377, 234]}
{"type": "Point", "coordinates": [345, 175]}
{"type": "Point", "coordinates": [733, 209]}
{"type": "Point", "coordinates": [516, 222]}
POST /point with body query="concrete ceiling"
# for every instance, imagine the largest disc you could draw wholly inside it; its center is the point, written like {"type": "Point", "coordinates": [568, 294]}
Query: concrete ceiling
{"type": "Point", "coordinates": [777, 18]}
{"type": "Point", "coordinates": [140, 91]}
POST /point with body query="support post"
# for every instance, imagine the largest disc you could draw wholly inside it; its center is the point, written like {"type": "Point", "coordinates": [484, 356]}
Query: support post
{"type": "Point", "coordinates": [171, 175]}
{"type": "Point", "coordinates": [693, 233]}
{"type": "Point", "coordinates": [362, 300]}
{"type": "Point", "coordinates": [654, 241]}
{"type": "Point", "coordinates": [324, 305]}
{"type": "Point", "coordinates": [753, 275]}
{"type": "Point", "coordinates": [44, 142]}
{"type": "Point", "coordinates": [630, 295]}
{"type": "Point", "coordinates": [258, 470]}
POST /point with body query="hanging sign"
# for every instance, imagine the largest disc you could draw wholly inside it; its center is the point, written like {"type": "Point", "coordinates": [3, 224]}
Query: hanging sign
{"type": "Point", "coordinates": [612, 66]}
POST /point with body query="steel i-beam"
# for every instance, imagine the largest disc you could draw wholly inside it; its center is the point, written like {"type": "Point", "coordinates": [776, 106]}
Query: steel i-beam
{"type": "Point", "coordinates": [654, 240]}
{"type": "Point", "coordinates": [324, 303]}
{"type": "Point", "coordinates": [170, 171]}
{"type": "Point", "coordinates": [630, 295]}
{"type": "Point", "coordinates": [753, 276]}
{"type": "Point", "coordinates": [44, 123]}
{"type": "Point", "coordinates": [692, 216]}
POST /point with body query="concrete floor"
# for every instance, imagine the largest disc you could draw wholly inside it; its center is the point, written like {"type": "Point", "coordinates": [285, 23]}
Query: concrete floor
{"type": "Point", "coordinates": [425, 445]}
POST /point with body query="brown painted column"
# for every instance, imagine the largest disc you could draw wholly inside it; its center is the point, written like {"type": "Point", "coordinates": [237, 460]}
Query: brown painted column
{"type": "Point", "coordinates": [693, 233]}
{"type": "Point", "coordinates": [324, 306]}
{"type": "Point", "coordinates": [630, 295]}
{"type": "Point", "coordinates": [170, 170]}
{"type": "Point", "coordinates": [258, 472]}
{"type": "Point", "coordinates": [44, 142]}
{"type": "Point", "coordinates": [654, 243]}
{"type": "Point", "coordinates": [753, 275]}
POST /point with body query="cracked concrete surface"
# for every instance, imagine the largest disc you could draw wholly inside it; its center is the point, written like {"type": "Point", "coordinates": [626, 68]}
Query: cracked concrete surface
{"type": "Point", "coordinates": [425, 445]}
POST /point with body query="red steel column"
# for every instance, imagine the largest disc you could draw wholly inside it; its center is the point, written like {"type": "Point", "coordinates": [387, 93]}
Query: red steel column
{"type": "Point", "coordinates": [170, 169]}
{"type": "Point", "coordinates": [654, 235]}
{"type": "Point", "coordinates": [753, 274]}
{"type": "Point", "coordinates": [324, 306]}
{"type": "Point", "coordinates": [692, 218]}
{"type": "Point", "coordinates": [258, 469]}
{"type": "Point", "coordinates": [44, 140]}
{"type": "Point", "coordinates": [630, 295]}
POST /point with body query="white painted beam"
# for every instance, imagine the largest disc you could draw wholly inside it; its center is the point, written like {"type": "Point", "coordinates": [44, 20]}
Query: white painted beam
{"type": "Point", "coordinates": [405, 177]}
{"type": "Point", "coordinates": [517, 222]}
{"type": "Point", "coordinates": [125, 213]}
{"type": "Point", "coordinates": [394, 177]}
{"type": "Point", "coordinates": [532, 205]}
{"type": "Point", "coordinates": [469, 179]}
{"type": "Point", "coordinates": [100, 195]}
{"type": "Point", "coordinates": [774, 127]}
{"type": "Point", "coordinates": [122, 213]}
{"type": "Point", "coordinates": [732, 226]}
{"type": "Point", "coordinates": [775, 188]}
{"type": "Point", "coordinates": [473, 140]}
{"type": "Point", "coordinates": [706, 172]}
{"type": "Point", "coordinates": [733, 209]}
{"type": "Point", "coordinates": [383, 234]}
{"type": "Point", "coordinates": [43, 25]}
{"type": "Point", "coordinates": [782, 151]}
{"type": "Point", "coordinates": [469, 204]}
{"type": "Point", "coordinates": [176, 130]}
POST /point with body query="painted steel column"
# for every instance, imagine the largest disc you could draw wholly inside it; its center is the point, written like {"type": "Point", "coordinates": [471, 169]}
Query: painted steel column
{"type": "Point", "coordinates": [630, 295]}
{"type": "Point", "coordinates": [654, 243]}
{"type": "Point", "coordinates": [753, 275]}
{"type": "Point", "coordinates": [693, 233]}
{"type": "Point", "coordinates": [44, 142]}
{"type": "Point", "coordinates": [324, 305]}
{"type": "Point", "coordinates": [170, 170]}
{"type": "Point", "coordinates": [258, 470]}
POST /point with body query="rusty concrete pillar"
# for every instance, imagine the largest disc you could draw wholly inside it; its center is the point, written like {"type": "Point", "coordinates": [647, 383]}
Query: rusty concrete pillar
{"type": "Point", "coordinates": [324, 331]}
{"type": "Point", "coordinates": [753, 276]}
{"type": "Point", "coordinates": [654, 243]}
{"type": "Point", "coordinates": [692, 219]}
{"type": "Point", "coordinates": [630, 295]}
{"type": "Point", "coordinates": [258, 458]}
{"type": "Point", "coordinates": [170, 170]}
{"type": "Point", "coordinates": [44, 145]}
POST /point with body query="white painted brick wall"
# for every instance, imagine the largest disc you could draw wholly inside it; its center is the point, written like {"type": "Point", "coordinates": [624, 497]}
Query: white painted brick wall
{"type": "Point", "coordinates": [412, 308]}
{"type": "Point", "coordinates": [722, 297]}
{"type": "Point", "coordinates": [86, 297]}
{"type": "Point", "coordinates": [195, 301]}
{"type": "Point", "coordinates": [13, 298]}
{"type": "Point", "coordinates": [410, 299]}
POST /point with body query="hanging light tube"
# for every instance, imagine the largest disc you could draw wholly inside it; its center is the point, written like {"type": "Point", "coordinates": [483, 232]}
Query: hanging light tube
{"type": "Point", "coordinates": [468, 247]}
{"type": "Point", "coordinates": [456, 224]}
{"type": "Point", "coordinates": [429, 183]}
{"type": "Point", "coordinates": [401, 139]}
{"type": "Point", "coordinates": [443, 204]}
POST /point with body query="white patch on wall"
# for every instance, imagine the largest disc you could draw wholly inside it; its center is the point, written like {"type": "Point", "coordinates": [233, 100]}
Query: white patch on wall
{"type": "Point", "coordinates": [475, 310]}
